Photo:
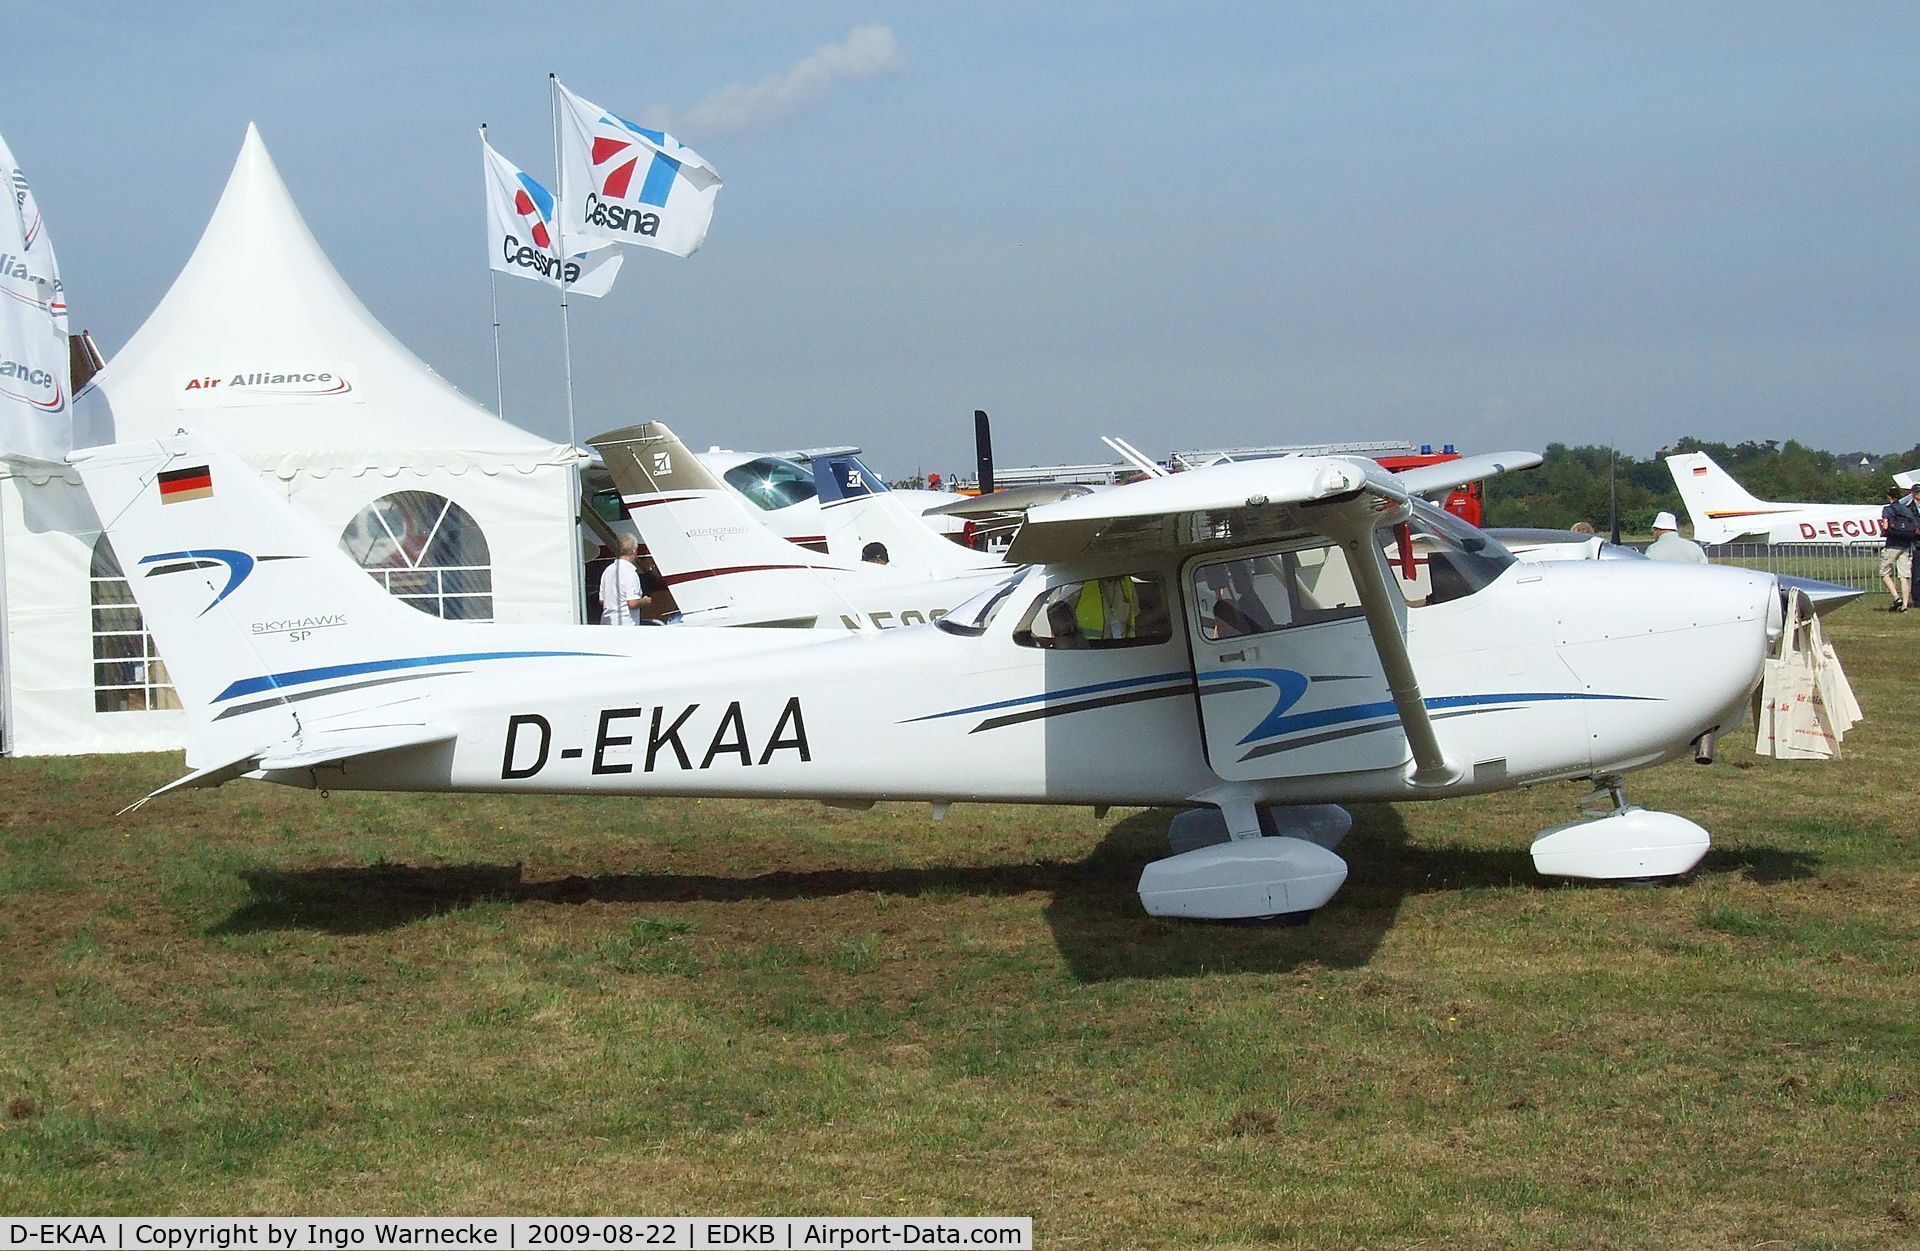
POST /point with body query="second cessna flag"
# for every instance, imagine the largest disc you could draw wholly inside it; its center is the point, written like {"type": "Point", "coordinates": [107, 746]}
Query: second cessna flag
{"type": "Point", "coordinates": [522, 239]}
{"type": "Point", "coordinates": [623, 183]}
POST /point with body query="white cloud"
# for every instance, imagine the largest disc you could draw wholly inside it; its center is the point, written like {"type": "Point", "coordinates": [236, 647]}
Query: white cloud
{"type": "Point", "coordinates": [866, 52]}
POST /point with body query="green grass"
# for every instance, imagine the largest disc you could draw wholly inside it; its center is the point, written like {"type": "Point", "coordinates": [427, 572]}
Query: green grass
{"type": "Point", "coordinates": [253, 999]}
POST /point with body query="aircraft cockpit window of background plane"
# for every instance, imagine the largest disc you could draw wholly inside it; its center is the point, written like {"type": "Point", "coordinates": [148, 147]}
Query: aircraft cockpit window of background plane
{"type": "Point", "coordinates": [1122, 611]}
{"type": "Point", "coordinates": [772, 483]}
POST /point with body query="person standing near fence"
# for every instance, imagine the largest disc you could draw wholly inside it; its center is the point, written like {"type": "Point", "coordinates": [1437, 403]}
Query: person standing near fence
{"type": "Point", "coordinates": [1669, 545]}
{"type": "Point", "coordinates": [1899, 527]}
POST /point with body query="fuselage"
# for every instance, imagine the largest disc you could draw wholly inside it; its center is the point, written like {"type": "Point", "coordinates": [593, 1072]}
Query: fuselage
{"type": "Point", "coordinates": [1548, 672]}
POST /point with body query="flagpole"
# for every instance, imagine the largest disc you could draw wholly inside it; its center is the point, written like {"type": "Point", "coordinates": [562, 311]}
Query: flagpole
{"type": "Point", "coordinates": [575, 503]}
{"type": "Point", "coordinates": [560, 248]}
{"type": "Point", "coordinates": [493, 302]}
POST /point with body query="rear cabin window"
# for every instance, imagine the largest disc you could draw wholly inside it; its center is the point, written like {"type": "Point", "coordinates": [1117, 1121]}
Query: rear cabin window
{"type": "Point", "coordinates": [1129, 610]}
{"type": "Point", "coordinates": [1277, 591]}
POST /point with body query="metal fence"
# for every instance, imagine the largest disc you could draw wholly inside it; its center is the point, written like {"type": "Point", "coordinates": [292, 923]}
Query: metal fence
{"type": "Point", "coordinates": [1849, 564]}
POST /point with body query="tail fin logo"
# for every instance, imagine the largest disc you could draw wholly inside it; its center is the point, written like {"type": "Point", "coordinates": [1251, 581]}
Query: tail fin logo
{"type": "Point", "coordinates": [239, 566]}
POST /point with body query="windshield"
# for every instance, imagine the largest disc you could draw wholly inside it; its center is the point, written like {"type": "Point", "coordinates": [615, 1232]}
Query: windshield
{"type": "Point", "coordinates": [771, 482]}
{"type": "Point", "coordinates": [974, 616]}
{"type": "Point", "coordinates": [1452, 559]}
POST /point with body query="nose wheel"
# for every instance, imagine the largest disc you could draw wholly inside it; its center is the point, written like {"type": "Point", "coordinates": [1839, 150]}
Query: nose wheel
{"type": "Point", "coordinates": [1617, 841]}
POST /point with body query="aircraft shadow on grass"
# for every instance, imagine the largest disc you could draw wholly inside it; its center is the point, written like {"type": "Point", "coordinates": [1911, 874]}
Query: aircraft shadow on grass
{"type": "Point", "coordinates": [1096, 918]}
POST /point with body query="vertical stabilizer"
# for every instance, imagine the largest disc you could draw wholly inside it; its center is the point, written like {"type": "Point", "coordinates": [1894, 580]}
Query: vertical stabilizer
{"type": "Point", "coordinates": [720, 562]}
{"type": "Point", "coordinates": [1720, 509]}
{"type": "Point", "coordinates": [258, 614]}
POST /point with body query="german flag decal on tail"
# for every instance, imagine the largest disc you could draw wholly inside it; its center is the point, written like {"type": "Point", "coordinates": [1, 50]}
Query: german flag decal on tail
{"type": "Point", "coordinates": [186, 484]}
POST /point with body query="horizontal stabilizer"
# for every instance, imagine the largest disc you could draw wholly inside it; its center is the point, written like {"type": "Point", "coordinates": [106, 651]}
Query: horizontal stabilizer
{"type": "Point", "coordinates": [305, 752]}
{"type": "Point", "coordinates": [333, 746]}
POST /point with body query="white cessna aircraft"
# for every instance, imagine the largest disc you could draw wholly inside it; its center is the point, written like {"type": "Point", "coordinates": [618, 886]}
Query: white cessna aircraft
{"type": "Point", "coordinates": [725, 566]}
{"type": "Point", "coordinates": [1722, 510]}
{"type": "Point", "coordinates": [1229, 639]}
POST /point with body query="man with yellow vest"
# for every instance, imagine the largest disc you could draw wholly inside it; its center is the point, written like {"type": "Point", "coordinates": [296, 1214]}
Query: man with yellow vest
{"type": "Point", "coordinates": [1108, 608]}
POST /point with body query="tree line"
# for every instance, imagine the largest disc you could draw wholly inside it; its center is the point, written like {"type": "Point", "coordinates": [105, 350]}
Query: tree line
{"type": "Point", "coordinates": [1572, 483]}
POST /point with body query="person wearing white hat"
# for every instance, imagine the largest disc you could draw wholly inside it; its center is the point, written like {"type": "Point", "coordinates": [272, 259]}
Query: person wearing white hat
{"type": "Point", "coordinates": [1668, 545]}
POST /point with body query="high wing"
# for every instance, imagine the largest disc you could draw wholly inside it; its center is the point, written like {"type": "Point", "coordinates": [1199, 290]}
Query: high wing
{"type": "Point", "coordinates": [1221, 506]}
{"type": "Point", "coordinates": [1448, 474]}
{"type": "Point", "coordinates": [1011, 500]}
{"type": "Point", "coordinates": [1234, 505]}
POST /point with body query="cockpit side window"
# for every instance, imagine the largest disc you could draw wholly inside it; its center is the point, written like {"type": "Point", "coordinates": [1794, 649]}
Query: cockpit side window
{"type": "Point", "coordinates": [1127, 610]}
{"type": "Point", "coordinates": [772, 483]}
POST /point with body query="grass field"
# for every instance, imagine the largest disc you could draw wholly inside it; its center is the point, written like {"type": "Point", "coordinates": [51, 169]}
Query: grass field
{"type": "Point", "coordinates": [260, 1000]}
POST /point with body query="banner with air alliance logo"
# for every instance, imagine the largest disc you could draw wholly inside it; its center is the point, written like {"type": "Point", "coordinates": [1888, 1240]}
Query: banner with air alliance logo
{"type": "Point", "coordinates": [36, 412]}
{"type": "Point", "coordinates": [621, 182]}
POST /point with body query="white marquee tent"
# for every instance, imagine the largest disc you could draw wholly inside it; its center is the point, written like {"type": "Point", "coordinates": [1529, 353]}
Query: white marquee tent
{"type": "Point", "coordinates": [260, 343]}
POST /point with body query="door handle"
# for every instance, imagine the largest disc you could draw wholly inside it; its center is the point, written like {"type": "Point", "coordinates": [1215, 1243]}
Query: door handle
{"type": "Point", "coordinates": [1239, 655]}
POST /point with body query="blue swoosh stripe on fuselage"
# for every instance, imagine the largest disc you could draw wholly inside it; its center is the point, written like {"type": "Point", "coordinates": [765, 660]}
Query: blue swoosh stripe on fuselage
{"type": "Point", "coordinates": [1386, 708]}
{"type": "Point", "coordinates": [1070, 692]}
{"type": "Point", "coordinates": [300, 677]}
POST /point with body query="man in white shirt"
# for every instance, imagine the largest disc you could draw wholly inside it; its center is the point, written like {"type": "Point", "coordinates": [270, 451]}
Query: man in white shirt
{"type": "Point", "coordinates": [621, 598]}
{"type": "Point", "coordinates": [1668, 545]}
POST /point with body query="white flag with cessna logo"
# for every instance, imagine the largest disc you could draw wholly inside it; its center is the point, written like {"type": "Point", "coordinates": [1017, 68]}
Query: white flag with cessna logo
{"type": "Point", "coordinates": [36, 411]}
{"type": "Point", "coordinates": [623, 183]}
{"type": "Point", "coordinates": [521, 238]}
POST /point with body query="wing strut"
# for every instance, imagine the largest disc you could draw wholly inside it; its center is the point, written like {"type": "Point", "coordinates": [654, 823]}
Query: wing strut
{"type": "Point", "coordinates": [1370, 567]}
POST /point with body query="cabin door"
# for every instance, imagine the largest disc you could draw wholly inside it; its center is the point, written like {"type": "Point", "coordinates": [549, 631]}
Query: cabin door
{"type": "Point", "coordinates": [1289, 683]}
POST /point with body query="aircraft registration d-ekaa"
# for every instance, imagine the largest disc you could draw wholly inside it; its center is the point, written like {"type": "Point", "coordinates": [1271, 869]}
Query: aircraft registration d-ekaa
{"type": "Point", "coordinates": [1722, 510]}
{"type": "Point", "coordinates": [1230, 640]}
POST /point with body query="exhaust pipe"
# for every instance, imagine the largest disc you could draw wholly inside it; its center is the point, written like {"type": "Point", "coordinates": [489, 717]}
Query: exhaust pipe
{"type": "Point", "coordinates": [1703, 746]}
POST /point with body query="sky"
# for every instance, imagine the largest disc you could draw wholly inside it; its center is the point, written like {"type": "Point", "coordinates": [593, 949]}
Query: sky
{"type": "Point", "coordinates": [1496, 225]}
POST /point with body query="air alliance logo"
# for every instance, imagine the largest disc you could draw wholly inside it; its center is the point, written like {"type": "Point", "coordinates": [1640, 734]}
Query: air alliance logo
{"type": "Point", "coordinates": [40, 388]}
{"type": "Point", "coordinates": [239, 567]}
{"type": "Point", "coordinates": [301, 383]}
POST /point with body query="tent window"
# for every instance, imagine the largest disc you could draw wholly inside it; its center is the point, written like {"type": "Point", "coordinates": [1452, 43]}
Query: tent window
{"type": "Point", "coordinates": [427, 551]}
{"type": "Point", "coordinates": [128, 674]}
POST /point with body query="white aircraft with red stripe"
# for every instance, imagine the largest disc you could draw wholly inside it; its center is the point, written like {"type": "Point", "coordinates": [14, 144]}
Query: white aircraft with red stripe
{"type": "Point", "coordinates": [1256, 662]}
{"type": "Point", "coordinates": [726, 567]}
{"type": "Point", "coordinates": [1723, 511]}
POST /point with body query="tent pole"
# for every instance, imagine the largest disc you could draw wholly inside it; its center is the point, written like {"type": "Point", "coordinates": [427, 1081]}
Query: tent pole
{"type": "Point", "coordinates": [7, 483]}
